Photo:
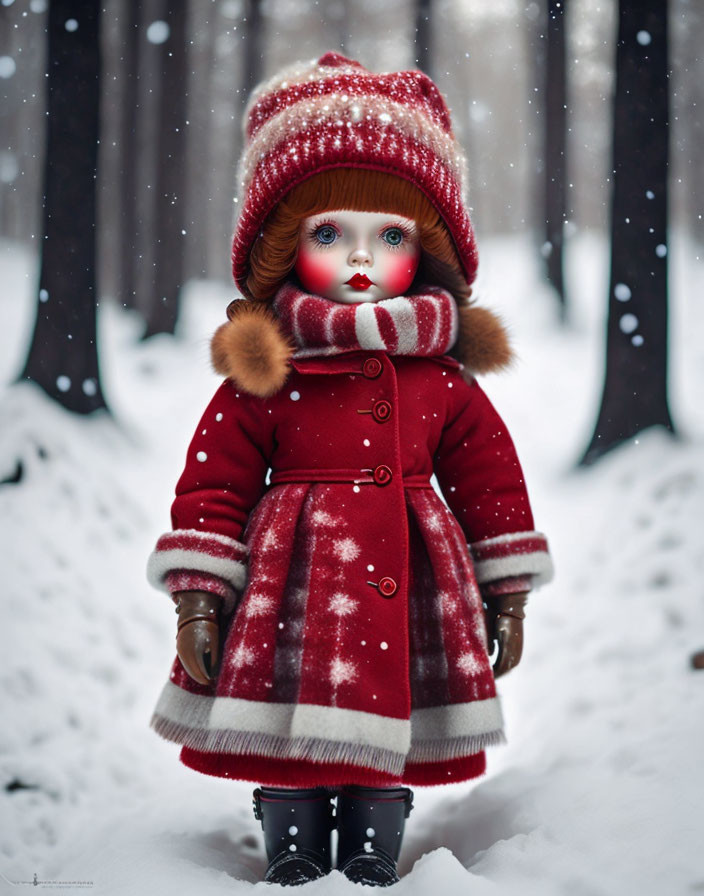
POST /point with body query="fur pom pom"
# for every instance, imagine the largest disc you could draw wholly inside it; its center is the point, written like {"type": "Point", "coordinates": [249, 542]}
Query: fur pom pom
{"type": "Point", "coordinates": [251, 350]}
{"type": "Point", "coordinates": [483, 345]}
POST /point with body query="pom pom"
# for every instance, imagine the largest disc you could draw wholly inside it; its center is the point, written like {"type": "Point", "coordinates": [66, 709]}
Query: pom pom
{"type": "Point", "coordinates": [483, 345]}
{"type": "Point", "coordinates": [251, 350]}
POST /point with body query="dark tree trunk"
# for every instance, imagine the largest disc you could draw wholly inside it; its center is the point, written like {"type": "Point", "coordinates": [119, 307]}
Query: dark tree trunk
{"type": "Point", "coordinates": [128, 224]}
{"type": "Point", "coordinates": [253, 49]}
{"type": "Point", "coordinates": [635, 386]}
{"type": "Point", "coordinates": [202, 144]}
{"type": "Point", "coordinates": [344, 27]}
{"type": "Point", "coordinates": [63, 355]}
{"type": "Point", "coordinates": [170, 186]}
{"type": "Point", "coordinates": [252, 61]}
{"type": "Point", "coordinates": [424, 36]}
{"type": "Point", "coordinates": [555, 147]}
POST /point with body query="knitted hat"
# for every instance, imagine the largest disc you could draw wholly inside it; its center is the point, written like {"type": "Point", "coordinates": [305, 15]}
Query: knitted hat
{"type": "Point", "coordinates": [334, 113]}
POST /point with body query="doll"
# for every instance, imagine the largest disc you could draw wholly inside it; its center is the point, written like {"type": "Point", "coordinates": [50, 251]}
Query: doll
{"type": "Point", "coordinates": [335, 616]}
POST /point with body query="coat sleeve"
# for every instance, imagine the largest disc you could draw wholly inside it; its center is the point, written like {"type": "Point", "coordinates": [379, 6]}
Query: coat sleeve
{"type": "Point", "coordinates": [482, 481]}
{"type": "Point", "coordinates": [223, 480]}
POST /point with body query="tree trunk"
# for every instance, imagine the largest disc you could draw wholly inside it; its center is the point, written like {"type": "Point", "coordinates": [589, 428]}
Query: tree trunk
{"type": "Point", "coordinates": [635, 387]}
{"type": "Point", "coordinates": [63, 355]}
{"type": "Point", "coordinates": [344, 27]}
{"type": "Point", "coordinates": [252, 62]}
{"type": "Point", "coordinates": [555, 148]}
{"type": "Point", "coordinates": [202, 131]}
{"type": "Point", "coordinates": [169, 201]}
{"type": "Point", "coordinates": [128, 225]}
{"type": "Point", "coordinates": [424, 36]}
{"type": "Point", "coordinates": [253, 55]}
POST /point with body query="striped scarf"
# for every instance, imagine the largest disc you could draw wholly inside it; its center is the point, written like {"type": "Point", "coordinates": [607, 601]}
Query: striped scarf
{"type": "Point", "coordinates": [425, 323]}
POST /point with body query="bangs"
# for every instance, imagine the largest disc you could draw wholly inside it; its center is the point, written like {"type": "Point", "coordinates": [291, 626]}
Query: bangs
{"type": "Point", "coordinates": [360, 190]}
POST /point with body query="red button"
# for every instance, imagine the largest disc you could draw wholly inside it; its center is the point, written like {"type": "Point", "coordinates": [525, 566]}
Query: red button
{"type": "Point", "coordinates": [371, 368]}
{"type": "Point", "coordinates": [381, 411]}
{"type": "Point", "coordinates": [387, 587]}
{"type": "Point", "coordinates": [382, 475]}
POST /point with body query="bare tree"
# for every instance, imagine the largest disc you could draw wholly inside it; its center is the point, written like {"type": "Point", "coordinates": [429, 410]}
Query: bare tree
{"type": "Point", "coordinates": [63, 355]}
{"type": "Point", "coordinates": [424, 35]}
{"type": "Point", "coordinates": [635, 386]}
{"type": "Point", "coordinates": [170, 186]}
{"type": "Point", "coordinates": [253, 50]}
{"type": "Point", "coordinates": [23, 46]}
{"type": "Point", "coordinates": [128, 226]}
{"type": "Point", "coordinates": [205, 33]}
{"type": "Point", "coordinates": [555, 147]}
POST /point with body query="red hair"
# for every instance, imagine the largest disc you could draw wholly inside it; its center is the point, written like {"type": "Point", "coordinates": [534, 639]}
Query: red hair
{"type": "Point", "coordinates": [274, 253]}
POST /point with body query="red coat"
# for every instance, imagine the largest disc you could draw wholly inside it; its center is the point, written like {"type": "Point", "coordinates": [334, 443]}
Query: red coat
{"type": "Point", "coordinates": [357, 651]}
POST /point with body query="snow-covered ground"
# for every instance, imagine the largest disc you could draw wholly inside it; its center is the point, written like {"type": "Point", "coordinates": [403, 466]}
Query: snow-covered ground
{"type": "Point", "coordinates": [599, 790]}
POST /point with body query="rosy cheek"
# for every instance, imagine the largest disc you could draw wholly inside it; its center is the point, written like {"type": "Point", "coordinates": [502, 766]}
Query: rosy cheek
{"type": "Point", "coordinates": [401, 273]}
{"type": "Point", "coordinates": [316, 275]}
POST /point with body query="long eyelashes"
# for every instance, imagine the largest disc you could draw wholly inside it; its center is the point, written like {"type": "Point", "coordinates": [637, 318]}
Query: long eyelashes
{"type": "Point", "coordinates": [312, 234]}
{"type": "Point", "coordinates": [405, 232]}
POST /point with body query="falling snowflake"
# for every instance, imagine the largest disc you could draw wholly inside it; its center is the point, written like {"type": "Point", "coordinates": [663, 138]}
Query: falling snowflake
{"type": "Point", "coordinates": [342, 604]}
{"type": "Point", "coordinates": [469, 664]}
{"type": "Point", "coordinates": [258, 604]}
{"type": "Point", "coordinates": [342, 671]}
{"type": "Point", "coordinates": [323, 518]}
{"type": "Point", "coordinates": [346, 549]}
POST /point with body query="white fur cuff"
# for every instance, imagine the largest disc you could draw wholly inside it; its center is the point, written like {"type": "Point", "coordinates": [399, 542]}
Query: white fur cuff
{"type": "Point", "coordinates": [203, 553]}
{"type": "Point", "coordinates": [513, 554]}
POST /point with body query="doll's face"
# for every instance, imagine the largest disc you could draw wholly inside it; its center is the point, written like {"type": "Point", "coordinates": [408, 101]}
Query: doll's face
{"type": "Point", "coordinates": [351, 256]}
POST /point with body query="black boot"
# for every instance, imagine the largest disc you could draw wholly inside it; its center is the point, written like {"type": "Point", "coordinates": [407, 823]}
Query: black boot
{"type": "Point", "coordinates": [370, 824]}
{"type": "Point", "coordinates": [297, 825]}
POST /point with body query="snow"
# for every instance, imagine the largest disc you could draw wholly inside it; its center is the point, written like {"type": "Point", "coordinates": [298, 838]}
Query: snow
{"type": "Point", "coordinates": [158, 32]}
{"type": "Point", "coordinates": [598, 790]}
{"type": "Point", "coordinates": [8, 66]}
{"type": "Point", "coordinates": [628, 323]}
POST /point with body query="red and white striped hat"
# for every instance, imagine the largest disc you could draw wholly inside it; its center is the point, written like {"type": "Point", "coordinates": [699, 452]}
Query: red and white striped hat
{"type": "Point", "coordinates": [333, 113]}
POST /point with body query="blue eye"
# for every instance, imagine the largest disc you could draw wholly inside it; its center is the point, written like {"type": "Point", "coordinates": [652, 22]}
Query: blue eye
{"type": "Point", "coordinates": [326, 235]}
{"type": "Point", "coordinates": [393, 236]}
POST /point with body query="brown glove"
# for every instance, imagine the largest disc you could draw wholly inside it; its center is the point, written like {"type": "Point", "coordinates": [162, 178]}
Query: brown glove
{"type": "Point", "coordinates": [198, 636]}
{"type": "Point", "coordinates": [504, 623]}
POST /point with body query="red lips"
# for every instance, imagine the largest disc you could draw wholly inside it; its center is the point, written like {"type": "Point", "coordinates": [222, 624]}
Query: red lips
{"type": "Point", "coordinates": [360, 281]}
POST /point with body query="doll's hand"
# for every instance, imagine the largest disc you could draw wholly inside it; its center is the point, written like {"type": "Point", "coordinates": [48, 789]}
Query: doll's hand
{"type": "Point", "coordinates": [198, 637]}
{"type": "Point", "coordinates": [504, 622]}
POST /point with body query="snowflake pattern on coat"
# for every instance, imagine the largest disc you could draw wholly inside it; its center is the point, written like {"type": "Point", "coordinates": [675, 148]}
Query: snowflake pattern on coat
{"type": "Point", "coordinates": [357, 650]}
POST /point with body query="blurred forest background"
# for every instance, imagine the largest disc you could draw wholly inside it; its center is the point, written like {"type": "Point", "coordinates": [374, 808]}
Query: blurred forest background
{"type": "Point", "coordinates": [159, 89]}
{"type": "Point", "coordinates": [120, 127]}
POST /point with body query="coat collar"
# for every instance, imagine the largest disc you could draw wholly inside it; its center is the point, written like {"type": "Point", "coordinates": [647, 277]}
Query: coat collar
{"type": "Point", "coordinates": [254, 351]}
{"type": "Point", "coordinates": [351, 362]}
